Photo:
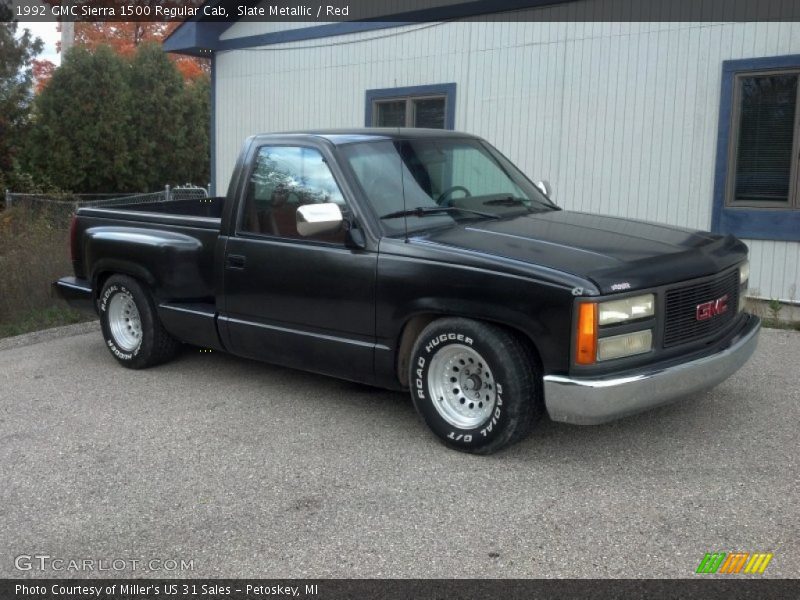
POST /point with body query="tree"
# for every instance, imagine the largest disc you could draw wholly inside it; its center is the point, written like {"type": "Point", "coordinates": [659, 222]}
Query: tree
{"type": "Point", "coordinates": [81, 136]}
{"type": "Point", "coordinates": [126, 37]}
{"type": "Point", "coordinates": [16, 79]}
{"type": "Point", "coordinates": [123, 37]}
{"type": "Point", "coordinates": [108, 124]}
{"type": "Point", "coordinates": [42, 72]}
{"type": "Point", "coordinates": [195, 155]}
{"type": "Point", "coordinates": [157, 118]}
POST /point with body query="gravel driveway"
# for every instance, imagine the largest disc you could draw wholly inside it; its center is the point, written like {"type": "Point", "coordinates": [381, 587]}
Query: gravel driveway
{"type": "Point", "coordinates": [242, 469]}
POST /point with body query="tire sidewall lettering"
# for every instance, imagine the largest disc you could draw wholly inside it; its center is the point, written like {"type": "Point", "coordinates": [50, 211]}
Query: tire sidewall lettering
{"type": "Point", "coordinates": [491, 424]}
{"type": "Point", "coordinates": [119, 353]}
{"type": "Point", "coordinates": [432, 344]}
{"type": "Point", "coordinates": [107, 293]}
{"type": "Point", "coordinates": [419, 381]}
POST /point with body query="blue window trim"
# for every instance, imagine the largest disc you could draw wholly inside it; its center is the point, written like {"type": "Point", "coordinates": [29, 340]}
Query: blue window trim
{"type": "Point", "coordinates": [442, 89]}
{"type": "Point", "coordinates": [781, 224]}
{"type": "Point", "coordinates": [212, 133]}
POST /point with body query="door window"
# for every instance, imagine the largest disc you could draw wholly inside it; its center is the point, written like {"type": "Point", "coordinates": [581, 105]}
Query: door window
{"type": "Point", "coordinates": [285, 178]}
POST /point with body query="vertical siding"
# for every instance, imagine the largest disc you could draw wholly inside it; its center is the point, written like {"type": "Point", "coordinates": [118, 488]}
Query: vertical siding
{"type": "Point", "coordinates": [620, 117]}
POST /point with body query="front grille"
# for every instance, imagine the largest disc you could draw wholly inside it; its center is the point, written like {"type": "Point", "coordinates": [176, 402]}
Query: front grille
{"type": "Point", "coordinates": [680, 322]}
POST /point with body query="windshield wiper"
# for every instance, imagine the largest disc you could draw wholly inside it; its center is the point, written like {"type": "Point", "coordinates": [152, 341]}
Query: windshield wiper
{"type": "Point", "coordinates": [423, 211]}
{"type": "Point", "coordinates": [507, 201]}
{"type": "Point", "coordinates": [512, 201]}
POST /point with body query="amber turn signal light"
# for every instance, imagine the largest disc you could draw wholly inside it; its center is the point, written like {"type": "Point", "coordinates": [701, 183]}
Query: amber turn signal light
{"type": "Point", "coordinates": [586, 341]}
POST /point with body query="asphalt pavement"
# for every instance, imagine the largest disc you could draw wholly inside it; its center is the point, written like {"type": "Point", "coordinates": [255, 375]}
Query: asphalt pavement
{"type": "Point", "coordinates": [242, 469]}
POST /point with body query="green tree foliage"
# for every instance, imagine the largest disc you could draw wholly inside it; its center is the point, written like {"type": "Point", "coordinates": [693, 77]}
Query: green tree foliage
{"type": "Point", "coordinates": [195, 157]}
{"type": "Point", "coordinates": [81, 137]}
{"type": "Point", "coordinates": [16, 80]}
{"type": "Point", "coordinates": [159, 130]}
{"type": "Point", "coordinates": [107, 124]}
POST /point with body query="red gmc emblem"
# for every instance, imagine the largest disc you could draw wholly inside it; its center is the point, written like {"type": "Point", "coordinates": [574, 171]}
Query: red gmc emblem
{"type": "Point", "coordinates": [706, 310]}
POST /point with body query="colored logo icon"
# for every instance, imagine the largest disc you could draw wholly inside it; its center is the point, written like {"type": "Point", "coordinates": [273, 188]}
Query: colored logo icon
{"type": "Point", "coordinates": [734, 562]}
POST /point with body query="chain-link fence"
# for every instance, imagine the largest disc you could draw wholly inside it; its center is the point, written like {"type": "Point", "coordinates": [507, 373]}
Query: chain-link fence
{"type": "Point", "coordinates": [34, 250]}
{"type": "Point", "coordinates": [69, 203]}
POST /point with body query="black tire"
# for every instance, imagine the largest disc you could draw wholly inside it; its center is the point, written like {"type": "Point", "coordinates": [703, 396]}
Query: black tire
{"type": "Point", "coordinates": [155, 345]}
{"type": "Point", "coordinates": [445, 351]}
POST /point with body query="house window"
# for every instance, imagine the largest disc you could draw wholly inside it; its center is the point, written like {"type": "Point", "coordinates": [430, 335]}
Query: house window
{"type": "Point", "coordinates": [410, 112]}
{"type": "Point", "coordinates": [757, 178]}
{"type": "Point", "coordinates": [765, 137]}
{"type": "Point", "coordinates": [428, 106]}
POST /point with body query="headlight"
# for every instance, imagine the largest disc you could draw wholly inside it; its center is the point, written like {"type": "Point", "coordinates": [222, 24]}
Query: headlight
{"type": "Point", "coordinates": [629, 344]}
{"type": "Point", "coordinates": [744, 272]}
{"type": "Point", "coordinates": [619, 311]}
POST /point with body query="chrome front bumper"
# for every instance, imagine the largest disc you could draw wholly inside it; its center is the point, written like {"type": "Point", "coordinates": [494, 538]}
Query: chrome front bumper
{"type": "Point", "coordinates": [587, 401]}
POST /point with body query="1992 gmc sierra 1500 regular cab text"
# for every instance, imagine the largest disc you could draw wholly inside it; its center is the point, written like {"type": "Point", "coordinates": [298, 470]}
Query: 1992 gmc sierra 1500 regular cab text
{"type": "Point", "coordinates": [421, 260]}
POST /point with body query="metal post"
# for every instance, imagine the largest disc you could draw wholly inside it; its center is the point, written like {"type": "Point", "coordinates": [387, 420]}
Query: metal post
{"type": "Point", "coordinates": [166, 193]}
{"type": "Point", "coordinates": [209, 189]}
{"type": "Point", "coordinates": [67, 28]}
{"type": "Point", "coordinates": [8, 199]}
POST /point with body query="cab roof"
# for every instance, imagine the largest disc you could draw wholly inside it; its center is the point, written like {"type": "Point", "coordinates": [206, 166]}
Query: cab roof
{"type": "Point", "coordinates": [366, 134]}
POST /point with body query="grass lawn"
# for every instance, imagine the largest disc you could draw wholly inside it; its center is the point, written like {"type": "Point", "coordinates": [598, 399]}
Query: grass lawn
{"type": "Point", "coordinates": [42, 318]}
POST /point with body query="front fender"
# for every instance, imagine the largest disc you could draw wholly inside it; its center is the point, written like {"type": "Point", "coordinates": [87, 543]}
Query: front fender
{"type": "Point", "coordinates": [541, 311]}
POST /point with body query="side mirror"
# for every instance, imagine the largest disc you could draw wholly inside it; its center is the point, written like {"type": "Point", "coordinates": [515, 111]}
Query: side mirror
{"type": "Point", "coordinates": [545, 187]}
{"type": "Point", "coordinates": [318, 218]}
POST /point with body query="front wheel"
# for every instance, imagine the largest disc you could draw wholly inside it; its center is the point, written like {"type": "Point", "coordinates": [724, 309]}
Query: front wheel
{"type": "Point", "coordinates": [131, 327]}
{"type": "Point", "coordinates": [476, 385]}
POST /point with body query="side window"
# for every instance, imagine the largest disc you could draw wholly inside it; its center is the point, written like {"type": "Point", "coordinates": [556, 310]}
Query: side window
{"type": "Point", "coordinates": [284, 178]}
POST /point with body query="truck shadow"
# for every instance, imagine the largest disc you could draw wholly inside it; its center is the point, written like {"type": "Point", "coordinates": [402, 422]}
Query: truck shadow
{"type": "Point", "coordinates": [667, 430]}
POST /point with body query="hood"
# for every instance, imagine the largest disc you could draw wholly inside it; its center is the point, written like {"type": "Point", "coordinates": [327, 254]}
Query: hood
{"type": "Point", "coordinates": [615, 253]}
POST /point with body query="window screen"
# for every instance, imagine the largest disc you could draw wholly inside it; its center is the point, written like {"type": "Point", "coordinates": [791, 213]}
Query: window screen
{"type": "Point", "coordinates": [391, 114]}
{"type": "Point", "coordinates": [765, 155]}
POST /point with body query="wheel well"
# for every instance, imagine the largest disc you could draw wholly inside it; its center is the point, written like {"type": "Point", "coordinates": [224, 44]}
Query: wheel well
{"type": "Point", "coordinates": [100, 281]}
{"type": "Point", "coordinates": [411, 331]}
{"type": "Point", "coordinates": [416, 324]}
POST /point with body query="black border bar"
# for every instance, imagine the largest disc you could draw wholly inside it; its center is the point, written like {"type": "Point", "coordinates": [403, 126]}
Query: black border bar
{"type": "Point", "coordinates": [416, 11]}
{"type": "Point", "coordinates": [701, 587]}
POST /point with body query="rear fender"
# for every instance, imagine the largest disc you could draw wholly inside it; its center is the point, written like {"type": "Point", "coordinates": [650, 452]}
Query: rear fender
{"type": "Point", "coordinates": [166, 261]}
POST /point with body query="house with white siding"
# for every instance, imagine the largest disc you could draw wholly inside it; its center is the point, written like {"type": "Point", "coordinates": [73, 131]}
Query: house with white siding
{"type": "Point", "coordinates": [624, 108]}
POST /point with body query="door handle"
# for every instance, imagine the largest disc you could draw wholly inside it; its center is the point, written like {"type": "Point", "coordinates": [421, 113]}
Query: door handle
{"type": "Point", "coordinates": [235, 261]}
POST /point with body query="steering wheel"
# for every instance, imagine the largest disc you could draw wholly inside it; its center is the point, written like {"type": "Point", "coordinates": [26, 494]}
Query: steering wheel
{"type": "Point", "coordinates": [456, 188]}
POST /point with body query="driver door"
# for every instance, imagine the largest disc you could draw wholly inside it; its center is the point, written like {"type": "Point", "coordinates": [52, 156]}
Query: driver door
{"type": "Point", "coordinates": [305, 302]}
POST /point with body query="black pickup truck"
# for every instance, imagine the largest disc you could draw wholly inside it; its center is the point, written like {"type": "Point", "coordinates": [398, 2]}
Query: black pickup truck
{"type": "Point", "coordinates": [426, 261]}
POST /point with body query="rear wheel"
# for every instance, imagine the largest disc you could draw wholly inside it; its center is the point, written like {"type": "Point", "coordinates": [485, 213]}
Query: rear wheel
{"type": "Point", "coordinates": [131, 328]}
{"type": "Point", "coordinates": [476, 385]}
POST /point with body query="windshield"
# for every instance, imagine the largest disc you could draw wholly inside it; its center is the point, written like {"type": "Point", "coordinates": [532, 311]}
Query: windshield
{"type": "Point", "coordinates": [403, 175]}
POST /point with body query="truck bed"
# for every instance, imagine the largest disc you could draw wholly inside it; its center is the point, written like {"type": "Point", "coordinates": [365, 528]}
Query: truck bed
{"type": "Point", "coordinates": [170, 245]}
{"type": "Point", "coordinates": [202, 213]}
